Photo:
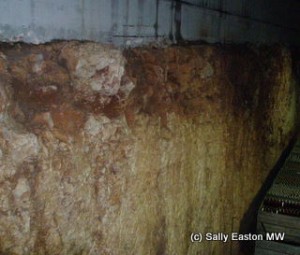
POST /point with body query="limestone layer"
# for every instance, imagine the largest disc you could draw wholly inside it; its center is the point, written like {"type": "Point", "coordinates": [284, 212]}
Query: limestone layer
{"type": "Point", "coordinates": [114, 153]}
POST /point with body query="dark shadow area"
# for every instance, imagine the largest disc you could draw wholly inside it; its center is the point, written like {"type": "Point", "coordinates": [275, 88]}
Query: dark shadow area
{"type": "Point", "coordinates": [295, 54]}
{"type": "Point", "coordinates": [249, 220]}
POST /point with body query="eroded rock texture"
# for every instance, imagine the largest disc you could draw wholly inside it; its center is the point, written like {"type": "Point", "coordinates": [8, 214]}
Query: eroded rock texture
{"type": "Point", "coordinates": [104, 152]}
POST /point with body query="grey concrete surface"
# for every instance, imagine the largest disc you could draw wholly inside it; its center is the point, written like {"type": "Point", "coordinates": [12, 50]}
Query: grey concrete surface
{"type": "Point", "coordinates": [135, 22]}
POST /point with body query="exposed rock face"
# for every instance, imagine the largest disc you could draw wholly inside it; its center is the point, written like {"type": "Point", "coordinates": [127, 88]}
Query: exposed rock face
{"type": "Point", "coordinates": [104, 152]}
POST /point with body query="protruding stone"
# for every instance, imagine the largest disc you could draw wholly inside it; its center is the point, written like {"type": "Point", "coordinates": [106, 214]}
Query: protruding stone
{"type": "Point", "coordinates": [22, 188]}
{"type": "Point", "coordinates": [94, 67]}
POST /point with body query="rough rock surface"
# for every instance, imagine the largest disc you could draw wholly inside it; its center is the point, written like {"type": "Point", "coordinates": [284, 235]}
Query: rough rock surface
{"type": "Point", "coordinates": [104, 152]}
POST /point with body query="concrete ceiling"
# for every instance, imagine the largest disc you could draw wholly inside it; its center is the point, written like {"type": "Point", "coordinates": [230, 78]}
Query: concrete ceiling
{"type": "Point", "coordinates": [135, 22]}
